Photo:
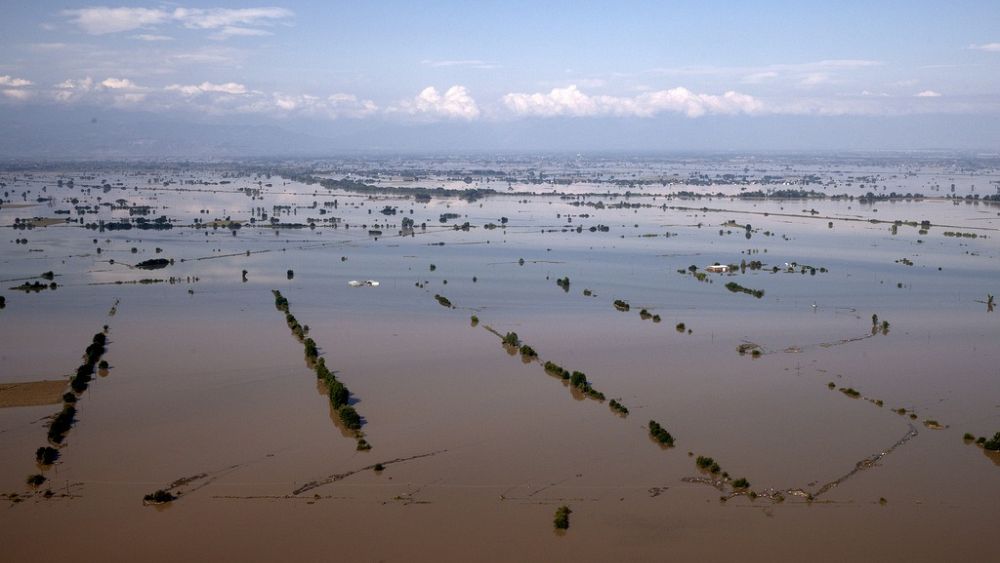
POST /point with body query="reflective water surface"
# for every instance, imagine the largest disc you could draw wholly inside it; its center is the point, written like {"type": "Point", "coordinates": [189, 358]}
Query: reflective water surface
{"type": "Point", "coordinates": [207, 390]}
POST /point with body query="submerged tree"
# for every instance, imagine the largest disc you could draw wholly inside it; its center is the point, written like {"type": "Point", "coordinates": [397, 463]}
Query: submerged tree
{"type": "Point", "coordinates": [561, 520]}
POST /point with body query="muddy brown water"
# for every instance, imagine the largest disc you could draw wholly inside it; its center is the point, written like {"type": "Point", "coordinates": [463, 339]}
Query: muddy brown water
{"type": "Point", "coordinates": [210, 383]}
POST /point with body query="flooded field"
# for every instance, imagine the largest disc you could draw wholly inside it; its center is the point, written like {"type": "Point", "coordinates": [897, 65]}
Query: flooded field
{"type": "Point", "coordinates": [711, 358]}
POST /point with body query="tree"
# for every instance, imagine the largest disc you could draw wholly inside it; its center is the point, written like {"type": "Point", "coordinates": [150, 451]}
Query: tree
{"type": "Point", "coordinates": [349, 417]}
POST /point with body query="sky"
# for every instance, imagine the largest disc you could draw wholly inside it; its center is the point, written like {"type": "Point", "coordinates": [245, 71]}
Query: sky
{"type": "Point", "coordinates": [515, 75]}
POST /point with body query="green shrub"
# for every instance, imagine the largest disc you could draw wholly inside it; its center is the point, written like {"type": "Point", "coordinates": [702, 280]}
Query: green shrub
{"type": "Point", "coordinates": [339, 395]}
{"type": "Point", "coordinates": [46, 455]}
{"type": "Point", "coordinates": [561, 520]}
{"type": "Point", "coordinates": [280, 303]}
{"type": "Point", "coordinates": [555, 369]}
{"type": "Point", "coordinates": [737, 288]}
{"type": "Point", "coordinates": [311, 351]}
{"type": "Point", "coordinates": [660, 434]}
{"type": "Point", "coordinates": [159, 497]}
{"type": "Point", "coordinates": [62, 423]}
{"type": "Point", "coordinates": [511, 339]}
{"type": "Point", "coordinates": [850, 392]}
{"type": "Point", "coordinates": [993, 444]}
{"type": "Point", "coordinates": [617, 407]}
{"type": "Point", "coordinates": [349, 417]}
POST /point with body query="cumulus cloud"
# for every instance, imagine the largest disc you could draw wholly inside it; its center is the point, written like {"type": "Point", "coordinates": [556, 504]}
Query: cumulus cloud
{"type": "Point", "coordinates": [229, 22]}
{"type": "Point", "coordinates": [14, 88]}
{"type": "Point", "coordinates": [928, 94]}
{"type": "Point", "coordinates": [571, 102]}
{"type": "Point", "coordinates": [231, 88]}
{"type": "Point", "coordinates": [120, 84]}
{"type": "Point", "coordinates": [81, 84]}
{"type": "Point", "coordinates": [455, 103]}
{"type": "Point", "coordinates": [12, 82]}
{"type": "Point", "coordinates": [119, 91]}
{"type": "Point", "coordinates": [989, 47]}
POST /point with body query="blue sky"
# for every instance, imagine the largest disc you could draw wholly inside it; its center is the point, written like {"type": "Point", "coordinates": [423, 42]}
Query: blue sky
{"type": "Point", "coordinates": [496, 65]}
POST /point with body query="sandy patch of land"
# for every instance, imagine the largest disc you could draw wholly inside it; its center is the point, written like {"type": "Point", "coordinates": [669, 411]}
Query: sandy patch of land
{"type": "Point", "coordinates": [31, 393]}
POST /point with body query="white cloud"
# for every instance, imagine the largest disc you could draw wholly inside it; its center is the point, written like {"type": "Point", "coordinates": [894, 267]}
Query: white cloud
{"type": "Point", "coordinates": [989, 47]}
{"type": "Point", "coordinates": [231, 88]}
{"type": "Point", "coordinates": [216, 18]}
{"type": "Point", "coordinates": [119, 84]}
{"type": "Point", "coordinates": [455, 103]}
{"type": "Point", "coordinates": [17, 94]}
{"type": "Point", "coordinates": [349, 105]}
{"type": "Point", "coordinates": [152, 37]}
{"type": "Point", "coordinates": [334, 106]}
{"type": "Point", "coordinates": [814, 79]}
{"type": "Point", "coordinates": [233, 31]}
{"type": "Point", "coordinates": [928, 94]}
{"type": "Point", "coordinates": [289, 103]}
{"type": "Point", "coordinates": [12, 82]}
{"type": "Point", "coordinates": [571, 102]}
{"type": "Point", "coordinates": [101, 20]}
{"type": "Point", "coordinates": [758, 77]}
{"type": "Point", "coordinates": [82, 84]}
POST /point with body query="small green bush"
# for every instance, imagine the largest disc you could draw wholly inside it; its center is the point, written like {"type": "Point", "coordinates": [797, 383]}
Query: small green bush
{"type": "Point", "coordinates": [993, 444]}
{"type": "Point", "coordinates": [561, 520]}
{"type": "Point", "coordinates": [349, 417]}
{"type": "Point", "coordinates": [660, 434]}
{"type": "Point", "coordinates": [159, 497]}
{"type": "Point", "coordinates": [618, 408]}
{"type": "Point", "coordinates": [511, 339]}
{"type": "Point", "coordinates": [46, 455]}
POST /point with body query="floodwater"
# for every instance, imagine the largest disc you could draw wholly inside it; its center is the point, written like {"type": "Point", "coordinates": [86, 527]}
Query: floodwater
{"type": "Point", "coordinates": [208, 386]}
